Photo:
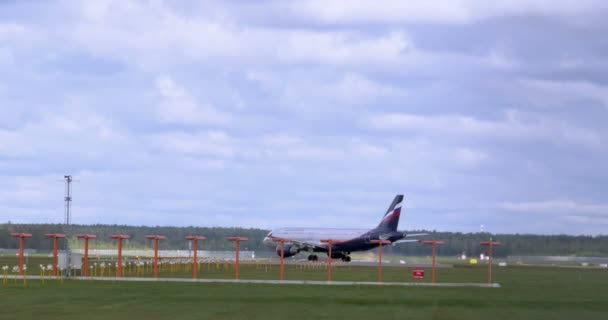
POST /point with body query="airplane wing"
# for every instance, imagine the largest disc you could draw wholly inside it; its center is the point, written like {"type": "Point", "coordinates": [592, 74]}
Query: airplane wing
{"type": "Point", "coordinates": [313, 245]}
{"type": "Point", "coordinates": [306, 244]}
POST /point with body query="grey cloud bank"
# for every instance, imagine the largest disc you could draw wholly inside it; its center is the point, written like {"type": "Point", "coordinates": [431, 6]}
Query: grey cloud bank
{"type": "Point", "coordinates": [311, 113]}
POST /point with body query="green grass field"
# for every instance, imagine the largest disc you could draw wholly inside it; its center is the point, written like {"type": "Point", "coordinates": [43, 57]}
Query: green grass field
{"type": "Point", "coordinates": [526, 293]}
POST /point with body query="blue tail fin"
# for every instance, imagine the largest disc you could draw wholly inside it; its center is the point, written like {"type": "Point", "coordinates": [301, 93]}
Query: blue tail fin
{"type": "Point", "coordinates": [390, 220]}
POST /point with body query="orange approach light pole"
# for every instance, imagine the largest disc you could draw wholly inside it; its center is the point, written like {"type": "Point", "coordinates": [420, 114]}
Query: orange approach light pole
{"type": "Point", "coordinates": [380, 244]}
{"type": "Point", "coordinates": [55, 237]}
{"type": "Point", "coordinates": [434, 243]}
{"type": "Point", "coordinates": [490, 244]}
{"type": "Point", "coordinates": [237, 240]}
{"type": "Point", "coordinates": [21, 237]}
{"type": "Point", "coordinates": [119, 237]}
{"type": "Point", "coordinates": [195, 240]}
{"type": "Point", "coordinates": [330, 243]}
{"type": "Point", "coordinates": [85, 263]}
{"type": "Point", "coordinates": [282, 241]}
{"type": "Point", "coordinates": [156, 238]}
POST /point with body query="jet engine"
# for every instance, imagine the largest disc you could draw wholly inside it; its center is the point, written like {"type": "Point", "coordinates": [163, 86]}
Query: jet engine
{"type": "Point", "coordinates": [288, 251]}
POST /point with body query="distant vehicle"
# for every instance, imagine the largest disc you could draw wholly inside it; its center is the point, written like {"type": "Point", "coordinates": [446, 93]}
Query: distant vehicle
{"type": "Point", "coordinates": [344, 241]}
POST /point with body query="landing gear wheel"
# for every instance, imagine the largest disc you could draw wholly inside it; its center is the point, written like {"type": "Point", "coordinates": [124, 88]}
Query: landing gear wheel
{"type": "Point", "coordinates": [347, 259]}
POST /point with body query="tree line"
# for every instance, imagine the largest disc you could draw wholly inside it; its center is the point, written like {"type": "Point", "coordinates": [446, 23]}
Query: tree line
{"type": "Point", "coordinates": [456, 243]}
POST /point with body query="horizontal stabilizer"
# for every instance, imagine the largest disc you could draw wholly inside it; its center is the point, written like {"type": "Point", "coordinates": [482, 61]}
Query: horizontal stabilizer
{"type": "Point", "coordinates": [406, 240]}
{"type": "Point", "coordinates": [415, 235]}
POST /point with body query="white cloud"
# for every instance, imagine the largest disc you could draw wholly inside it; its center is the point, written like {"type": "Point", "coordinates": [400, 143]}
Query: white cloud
{"type": "Point", "coordinates": [498, 59]}
{"type": "Point", "coordinates": [210, 143]}
{"type": "Point", "coordinates": [353, 87]}
{"type": "Point", "coordinates": [469, 157]}
{"type": "Point", "coordinates": [368, 150]}
{"type": "Point", "coordinates": [149, 35]}
{"type": "Point", "coordinates": [285, 146]}
{"type": "Point", "coordinates": [343, 93]}
{"type": "Point", "coordinates": [591, 224]}
{"type": "Point", "coordinates": [567, 92]}
{"type": "Point", "coordinates": [557, 207]}
{"type": "Point", "coordinates": [7, 58]}
{"type": "Point", "coordinates": [28, 190]}
{"type": "Point", "coordinates": [61, 131]}
{"type": "Point", "coordinates": [421, 11]}
{"type": "Point", "coordinates": [386, 11]}
{"type": "Point", "coordinates": [343, 48]}
{"type": "Point", "coordinates": [178, 106]}
{"type": "Point", "coordinates": [12, 31]}
{"type": "Point", "coordinates": [515, 125]}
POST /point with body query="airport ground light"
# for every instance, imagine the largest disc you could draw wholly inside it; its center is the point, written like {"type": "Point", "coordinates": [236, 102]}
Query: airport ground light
{"type": "Point", "coordinates": [195, 240]}
{"type": "Point", "coordinates": [237, 240]}
{"type": "Point", "coordinates": [282, 266]}
{"type": "Point", "coordinates": [380, 243]}
{"type": "Point", "coordinates": [55, 237]}
{"type": "Point", "coordinates": [330, 243]}
{"type": "Point", "coordinates": [22, 237]}
{"type": "Point", "coordinates": [86, 238]}
{"type": "Point", "coordinates": [120, 238]}
{"type": "Point", "coordinates": [434, 244]}
{"type": "Point", "coordinates": [156, 238]}
{"type": "Point", "coordinates": [490, 244]}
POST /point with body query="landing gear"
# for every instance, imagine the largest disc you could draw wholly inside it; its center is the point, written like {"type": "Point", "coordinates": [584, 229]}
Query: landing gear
{"type": "Point", "coordinates": [346, 258]}
{"type": "Point", "coordinates": [313, 257]}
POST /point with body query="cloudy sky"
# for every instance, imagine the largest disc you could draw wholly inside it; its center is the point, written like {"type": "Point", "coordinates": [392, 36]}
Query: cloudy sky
{"type": "Point", "coordinates": [307, 113]}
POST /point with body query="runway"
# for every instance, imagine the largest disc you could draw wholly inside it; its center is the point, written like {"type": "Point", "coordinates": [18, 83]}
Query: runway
{"type": "Point", "coordinates": [277, 282]}
{"type": "Point", "coordinates": [368, 263]}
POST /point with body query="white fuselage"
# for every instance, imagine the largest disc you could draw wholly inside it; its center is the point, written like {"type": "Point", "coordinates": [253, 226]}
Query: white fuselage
{"type": "Point", "coordinates": [311, 235]}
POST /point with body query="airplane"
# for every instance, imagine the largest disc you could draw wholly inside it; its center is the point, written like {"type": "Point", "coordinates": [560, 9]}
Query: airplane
{"type": "Point", "coordinates": [344, 241]}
